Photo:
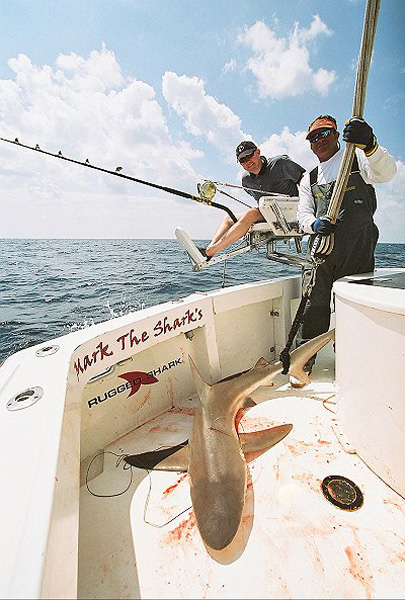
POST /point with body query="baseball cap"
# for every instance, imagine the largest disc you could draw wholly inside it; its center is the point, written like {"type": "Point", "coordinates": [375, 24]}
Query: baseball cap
{"type": "Point", "coordinates": [244, 149]}
{"type": "Point", "coordinates": [322, 122]}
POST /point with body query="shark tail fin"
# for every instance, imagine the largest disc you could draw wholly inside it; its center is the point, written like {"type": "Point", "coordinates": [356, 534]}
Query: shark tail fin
{"type": "Point", "coordinates": [203, 388]}
{"type": "Point", "coordinates": [301, 355]}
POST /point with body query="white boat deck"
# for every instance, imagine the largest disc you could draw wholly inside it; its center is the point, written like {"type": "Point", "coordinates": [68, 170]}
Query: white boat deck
{"type": "Point", "coordinates": [292, 542]}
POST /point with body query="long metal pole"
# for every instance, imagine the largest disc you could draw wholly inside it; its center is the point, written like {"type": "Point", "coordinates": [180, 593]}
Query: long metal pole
{"type": "Point", "coordinates": [324, 244]}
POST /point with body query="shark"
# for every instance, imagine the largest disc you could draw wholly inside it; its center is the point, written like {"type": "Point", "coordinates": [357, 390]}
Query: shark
{"type": "Point", "coordinates": [216, 454]}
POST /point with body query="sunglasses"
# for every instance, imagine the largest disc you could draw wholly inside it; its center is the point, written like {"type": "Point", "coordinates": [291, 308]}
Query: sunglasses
{"type": "Point", "coordinates": [321, 135]}
{"type": "Point", "coordinates": [246, 158]}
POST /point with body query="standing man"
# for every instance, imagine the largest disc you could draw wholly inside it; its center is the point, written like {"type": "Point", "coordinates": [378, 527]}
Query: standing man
{"type": "Point", "coordinates": [278, 174]}
{"type": "Point", "coordinates": [356, 234]}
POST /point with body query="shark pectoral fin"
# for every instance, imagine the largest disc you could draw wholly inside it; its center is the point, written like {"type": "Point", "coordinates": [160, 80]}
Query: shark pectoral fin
{"type": "Point", "coordinates": [257, 442]}
{"type": "Point", "coordinates": [175, 462]}
{"type": "Point", "coordinates": [175, 458]}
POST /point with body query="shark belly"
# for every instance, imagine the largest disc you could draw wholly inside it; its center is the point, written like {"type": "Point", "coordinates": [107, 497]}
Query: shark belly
{"type": "Point", "coordinates": [218, 480]}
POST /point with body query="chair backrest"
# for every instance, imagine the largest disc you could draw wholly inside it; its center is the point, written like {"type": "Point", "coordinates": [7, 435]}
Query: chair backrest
{"type": "Point", "coordinates": [280, 214]}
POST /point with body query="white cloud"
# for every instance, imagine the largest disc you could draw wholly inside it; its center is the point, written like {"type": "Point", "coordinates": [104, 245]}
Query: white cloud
{"type": "Point", "coordinates": [229, 66]}
{"type": "Point", "coordinates": [317, 27]}
{"type": "Point", "coordinates": [203, 115]}
{"type": "Point", "coordinates": [390, 215]}
{"type": "Point", "coordinates": [293, 144]}
{"type": "Point", "coordinates": [281, 65]}
{"type": "Point", "coordinates": [88, 109]}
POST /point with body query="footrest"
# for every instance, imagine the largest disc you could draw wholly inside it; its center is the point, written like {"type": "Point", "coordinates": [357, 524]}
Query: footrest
{"type": "Point", "coordinates": [195, 256]}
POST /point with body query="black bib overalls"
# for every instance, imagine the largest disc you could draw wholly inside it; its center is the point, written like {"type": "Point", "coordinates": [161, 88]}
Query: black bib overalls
{"type": "Point", "coordinates": [356, 237]}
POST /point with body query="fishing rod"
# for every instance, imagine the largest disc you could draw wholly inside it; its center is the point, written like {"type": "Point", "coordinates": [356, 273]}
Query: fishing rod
{"type": "Point", "coordinates": [233, 198]}
{"type": "Point", "coordinates": [246, 189]}
{"type": "Point", "coordinates": [202, 199]}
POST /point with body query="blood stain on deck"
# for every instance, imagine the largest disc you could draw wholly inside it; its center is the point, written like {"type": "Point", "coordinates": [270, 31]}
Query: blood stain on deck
{"type": "Point", "coordinates": [314, 484]}
{"type": "Point", "coordinates": [324, 442]}
{"type": "Point", "coordinates": [357, 569]}
{"type": "Point", "coordinates": [297, 448]}
{"type": "Point", "coordinates": [391, 502]}
{"type": "Point", "coordinates": [184, 530]}
{"type": "Point", "coordinates": [174, 486]}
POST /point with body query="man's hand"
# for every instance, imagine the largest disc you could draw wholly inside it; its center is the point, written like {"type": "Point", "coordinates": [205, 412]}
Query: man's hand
{"type": "Point", "coordinates": [359, 133]}
{"type": "Point", "coordinates": [323, 226]}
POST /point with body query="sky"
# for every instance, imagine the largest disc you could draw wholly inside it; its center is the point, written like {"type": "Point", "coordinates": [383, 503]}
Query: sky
{"type": "Point", "coordinates": [166, 89]}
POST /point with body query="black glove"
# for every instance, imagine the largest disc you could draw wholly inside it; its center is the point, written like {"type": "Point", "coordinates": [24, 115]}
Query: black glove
{"type": "Point", "coordinates": [323, 226]}
{"type": "Point", "coordinates": [358, 132]}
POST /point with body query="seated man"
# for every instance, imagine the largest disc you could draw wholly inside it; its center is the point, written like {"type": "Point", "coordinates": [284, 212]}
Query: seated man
{"type": "Point", "coordinates": [278, 175]}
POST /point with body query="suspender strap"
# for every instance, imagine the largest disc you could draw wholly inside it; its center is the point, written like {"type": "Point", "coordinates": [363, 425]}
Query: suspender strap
{"type": "Point", "coordinates": [355, 165]}
{"type": "Point", "coordinates": [313, 175]}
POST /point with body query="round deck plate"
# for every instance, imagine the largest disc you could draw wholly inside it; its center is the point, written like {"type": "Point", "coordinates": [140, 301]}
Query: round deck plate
{"type": "Point", "coordinates": [25, 399]}
{"type": "Point", "coordinates": [47, 351]}
{"type": "Point", "coordinates": [342, 492]}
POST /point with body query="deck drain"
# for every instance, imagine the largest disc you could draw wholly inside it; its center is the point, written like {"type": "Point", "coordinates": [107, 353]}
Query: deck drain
{"type": "Point", "coordinates": [342, 492]}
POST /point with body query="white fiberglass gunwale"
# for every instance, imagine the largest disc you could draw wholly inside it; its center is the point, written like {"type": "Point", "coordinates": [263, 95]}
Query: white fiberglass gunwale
{"type": "Point", "coordinates": [64, 541]}
{"type": "Point", "coordinates": [41, 444]}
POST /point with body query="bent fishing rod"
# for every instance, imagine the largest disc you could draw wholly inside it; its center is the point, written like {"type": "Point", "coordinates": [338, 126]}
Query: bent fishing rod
{"type": "Point", "coordinates": [117, 173]}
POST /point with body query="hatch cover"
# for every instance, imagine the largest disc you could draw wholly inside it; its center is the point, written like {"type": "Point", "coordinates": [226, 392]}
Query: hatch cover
{"type": "Point", "coordinates": [342, 492]}
{"type": "Point", "coordinates": [396, 280]}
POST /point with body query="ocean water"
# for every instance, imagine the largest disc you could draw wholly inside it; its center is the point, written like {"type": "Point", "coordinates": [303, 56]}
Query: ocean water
{"type": "Point", "coordinates": [51, 287]}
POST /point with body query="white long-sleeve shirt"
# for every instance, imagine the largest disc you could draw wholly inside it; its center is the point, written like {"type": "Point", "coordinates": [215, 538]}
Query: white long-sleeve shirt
{"type": "Point", "coordinates": [380, 167]}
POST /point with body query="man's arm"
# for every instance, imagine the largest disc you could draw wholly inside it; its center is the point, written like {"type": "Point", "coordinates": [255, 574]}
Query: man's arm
{"type": "Point", "coordinates": [306, 206]}
{"type": "Point", "coordinates": [380, 167]}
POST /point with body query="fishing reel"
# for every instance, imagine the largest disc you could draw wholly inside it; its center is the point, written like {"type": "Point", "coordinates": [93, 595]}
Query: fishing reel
{"type": "Point", "coordinates": [207, 190]}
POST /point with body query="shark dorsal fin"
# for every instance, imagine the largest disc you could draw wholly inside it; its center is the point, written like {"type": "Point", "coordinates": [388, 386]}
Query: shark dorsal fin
{"type": "Point", "coordinates": [262, 362]}
{"type": "Point", "coordinates": [203, 388]}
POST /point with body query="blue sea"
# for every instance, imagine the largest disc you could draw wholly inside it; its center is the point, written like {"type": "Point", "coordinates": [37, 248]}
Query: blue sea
{"type": "Point", "coordinates": [51, 287]}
